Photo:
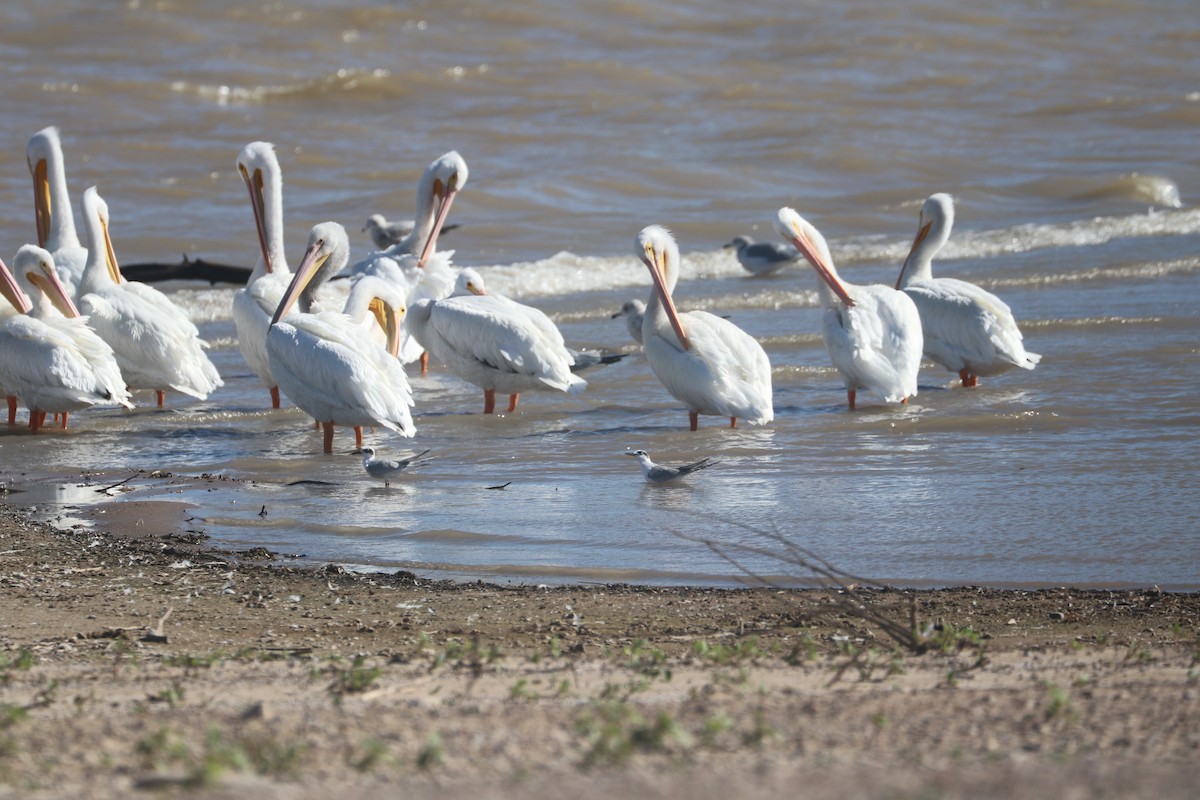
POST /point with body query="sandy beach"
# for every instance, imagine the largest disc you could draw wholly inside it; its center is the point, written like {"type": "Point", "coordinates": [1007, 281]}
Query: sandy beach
{"type": "Point", "coordinates": [138, 660]}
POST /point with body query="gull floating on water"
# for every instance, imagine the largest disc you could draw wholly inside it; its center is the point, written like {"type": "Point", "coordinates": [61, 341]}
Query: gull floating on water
{"type": "Point", "coordinates": [706, 362]}
{"type": "Point", "coordinates": [385, 233]}
{"type": "Point", "coordinates": [657, 473]}
{"type": "Point", "coordinates": [385, 468]}
{"type": "Point", "coordinates": [763, 258]}
{"type": "Point", "coordinates": [872, 333]}
{"type": "Point", "coordinates": [968, 330]}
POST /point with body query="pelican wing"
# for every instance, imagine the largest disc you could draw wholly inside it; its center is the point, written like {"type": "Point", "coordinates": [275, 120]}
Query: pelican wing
{"type": "Point", "coordinates": [967, 326]}
{"type": "Point", "coordinates": [333, 369]}
{"type": "Point", "coordinates": [154, 345]}
{"type": "Point", "coordinates": [489, 331]}
{"type": "Point", "coordinates": [725, 371]}
{"type": "Point", "coordinates": [58, 366]}
{"type": "Point", "coordinates": [877, 343]}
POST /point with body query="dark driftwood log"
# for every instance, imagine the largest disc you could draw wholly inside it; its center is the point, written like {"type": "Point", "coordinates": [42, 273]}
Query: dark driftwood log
{"type": "Point", "coordinates": [189, 270]}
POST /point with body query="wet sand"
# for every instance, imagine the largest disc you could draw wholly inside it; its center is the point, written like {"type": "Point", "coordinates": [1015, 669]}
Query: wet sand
{"type": "Point", "coordinates": [140, 659]}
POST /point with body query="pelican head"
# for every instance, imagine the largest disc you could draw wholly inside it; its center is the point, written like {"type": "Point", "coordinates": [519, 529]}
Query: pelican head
{"type": "Point", "coordinates": [440, 184]}
{"type": "Point", "coordinates": [809, 241]}
{"type": "Point", "coordinates": [933, 231]}
{"type": "Point", "coordinates": [657, 249]}
{"type": "Point", "coordinates": [34, 270]}
{"type": "Point", "coordinates": [383, 300]}
{"type": "Point", "coordinates": [43, 153]}
{"type": "Point", "coordinates": [469, 282]}
{"type": "Point", "coordinates": [259, 168]}
{"type": "Point", "coordinates": [327, 253]}
{"type": "Point", "coordinates": [102, 260]}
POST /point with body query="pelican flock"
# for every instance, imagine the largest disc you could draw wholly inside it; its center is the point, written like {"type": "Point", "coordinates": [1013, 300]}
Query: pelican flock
{"type": "Point", "coordinates": [75, 333]}
{"type": "Point", "coordinates": [967, 329]}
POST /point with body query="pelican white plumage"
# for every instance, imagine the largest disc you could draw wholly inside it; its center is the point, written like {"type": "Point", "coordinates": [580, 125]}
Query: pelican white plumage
{"type": "Point", "coordinates": [254, 304]}
{"type": "Point", "coordinates": [968, 330]}
{"type": "Point", "coordinates": [49, 357]}
{"type": "Point", "coordinates": [414, 263]}
{"type": "Point", "coordinates": [329, 364]}
{"type": "Point", "coordinates": [52, 207]}
{"type": "Point", "coordinates": [493, 342]}
{"type": "Point", "coordinates": [156, 345]}
{"type": "Point", "coordinates": [705, 361]}
{"type": "Point", "coordinates": [634, 311]}
{"type": "Point", "coordinates": [872, 333]}
{"type": "Point", "coordinates": [470, 282]}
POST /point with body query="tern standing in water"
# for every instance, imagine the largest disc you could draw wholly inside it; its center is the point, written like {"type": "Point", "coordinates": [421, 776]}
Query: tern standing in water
{"type": "Point", "coordinates": [657, 473]}
{"type": "Point", "coordinates": [385, 468]}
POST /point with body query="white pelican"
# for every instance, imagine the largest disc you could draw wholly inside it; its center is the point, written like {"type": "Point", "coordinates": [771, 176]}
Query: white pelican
{"type": "Point", "coordinates": [968, 330]}
{"type": "Point", "coordinates": [52, 207]}
{"type": "Point", "coordinates": [156, 344]}
{"type": "Point", "coordinates": [413, 263]}
{"type": "Point", "coordinates": [634, 311]}
{"type": "Point", "coordinates": [470, 282]}
{"type": "Point", "coordinates": [763, 258]}
{"type": "Point", "coordinates": [329, 364]}
{"type": "Point", "coordinates": [493, 342]}
{"type": "Point", "coordinates": [254, 304]}
{"type": "Point", "coordinates": [872, 333]}
{"type": "Point", "coordinates": [49, 357]}
{"type": "Point", "coordinates": [439, 184]}
{"type": "Point", "coordinates": [705, 361]}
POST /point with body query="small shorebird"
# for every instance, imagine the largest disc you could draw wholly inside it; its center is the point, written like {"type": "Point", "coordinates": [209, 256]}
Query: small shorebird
{"type": "Point", "coordinates": [634, 311]}
{"type": "Point", "coordinates": [763, 258]}
{"type": "Point", "coordinates": [657, 473]}
{"type": "Point", "coordinates": [385, 468]}
{"type": "Point", "coordinates": [385, 233]}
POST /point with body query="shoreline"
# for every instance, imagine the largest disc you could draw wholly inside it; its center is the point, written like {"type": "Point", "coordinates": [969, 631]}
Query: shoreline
{"type": "Point", "coordinates": [146, 660]}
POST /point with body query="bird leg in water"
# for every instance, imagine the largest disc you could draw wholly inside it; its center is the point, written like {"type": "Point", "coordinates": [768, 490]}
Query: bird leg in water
{"type": "Point", "coordinates": [850, 397]}
{"type": "Point", "coordinates": [274, 397]}
{"type": "Point", "coordinates": [969, 381]}
{"type": "Point", "coordinates": [64, 420]}
{"type": "Point", "coordinates": [733, 422]}
{"type": "Point", "coordinates": [512, 402]}
{"type": "Point", "coordinates": [12, 410]}
{"type": "Point", "coordinates": [328, 427]}
{"type": "Point", "coordinates": [158, 393]}
{"type": "Point", "coordinates": [36, 420]}
{"type": "Point", "coordinates": [694, 419]}
{"type": "Point", "coordinates": [424, 363]}
{"type": "Point", "coordinates": [489, 401]}
{"type": "Point", "coordinates": [358, 435]}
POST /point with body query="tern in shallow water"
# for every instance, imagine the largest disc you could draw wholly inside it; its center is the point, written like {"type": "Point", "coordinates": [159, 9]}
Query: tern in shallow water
{"type": "Point", "coordinates": [763, 258]}
{"type": "Point", "coordinates": [657, 473]}
{"type": "Point", "coordinates": [385, 468]}
{"type": "Point", "coordinates": [634, 311]}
